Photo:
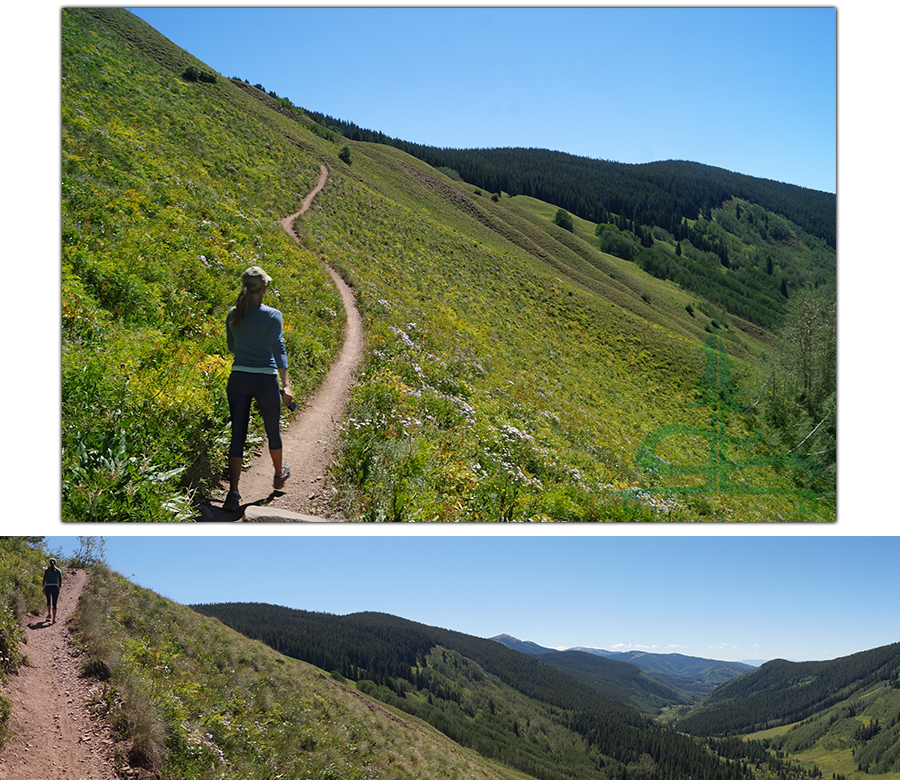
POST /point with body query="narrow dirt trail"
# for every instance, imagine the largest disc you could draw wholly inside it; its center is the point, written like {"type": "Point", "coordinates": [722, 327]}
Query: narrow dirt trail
{"type": "Point", "coordinates": [311, 438]}
{"type": "Point", "coordinates": [53, 733]}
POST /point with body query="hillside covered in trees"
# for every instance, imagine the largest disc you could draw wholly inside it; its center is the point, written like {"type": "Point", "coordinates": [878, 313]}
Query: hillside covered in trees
{"type": "Point", "coordinates": [650, 681]}
{"type": "Point", "coordinates": [618, 680]}
{"type": "Point", "coordinates": [505, 705]}
{"type": "Point", "coordinates": [661, 194]}
{"type": "Point", "coordinates": [780, 691]}
{"type": "Point", "coordinates": [843, 714]}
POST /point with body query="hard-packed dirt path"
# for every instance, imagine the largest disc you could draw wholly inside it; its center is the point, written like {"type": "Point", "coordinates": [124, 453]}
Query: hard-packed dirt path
{"type": "Point", "coordinates": [310, 440]}
{"type": "Point", "coordinates": [53, 733]}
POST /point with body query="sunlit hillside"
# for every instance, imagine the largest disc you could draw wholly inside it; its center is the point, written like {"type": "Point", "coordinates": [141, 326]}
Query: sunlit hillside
{"type": "Point", "coordinates": [514, 371]}
{"type": "Point", "coordinates": [217, 704]}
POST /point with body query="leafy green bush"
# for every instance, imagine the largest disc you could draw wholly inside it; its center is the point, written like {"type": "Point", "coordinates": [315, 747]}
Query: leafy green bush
{"type": "Point", "coordinates": [618, 244]}
{"type": "Point", "coordinates": [193, 73]}
{"type": "Point", "coordinates": [564, 219]}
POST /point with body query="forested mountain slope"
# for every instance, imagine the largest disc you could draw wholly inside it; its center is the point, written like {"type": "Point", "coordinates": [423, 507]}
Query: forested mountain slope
{"type": "Point", "coordinates": [618, 679]}
{"type": "Point", "coordinates": [843, 714]}
{"type": "Point", "coordinates": [515, 369]}
{"type": "Point", "coordinates": [859, 735]}
{"type": "Point", "coordinates": [664, 679]}
{"type": "Point", "coordinates": [501, 703]}
{"type": "Point", "coordinates": [697, 676]}
{"type": "Point", "coordinates": [659, 193]}
{"type": "Point", "coordinates": [782, 692]}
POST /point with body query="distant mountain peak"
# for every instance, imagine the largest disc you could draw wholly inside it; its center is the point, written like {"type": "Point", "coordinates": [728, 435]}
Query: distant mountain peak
{"type": "Point", "coordinates": [529, 648]}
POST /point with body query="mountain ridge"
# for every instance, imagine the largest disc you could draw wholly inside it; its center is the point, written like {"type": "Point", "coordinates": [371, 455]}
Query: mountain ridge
{"type": "Point", "coordinates": [481, 167]}
{"type": "Point", "coordinates": [781, 691]}
{"type": "Point", "coordinates": [686, 678]}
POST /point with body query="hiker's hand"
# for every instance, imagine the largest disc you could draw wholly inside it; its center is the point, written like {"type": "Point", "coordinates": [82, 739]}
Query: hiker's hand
{"type": "Point", "coordinates": [287, 396]}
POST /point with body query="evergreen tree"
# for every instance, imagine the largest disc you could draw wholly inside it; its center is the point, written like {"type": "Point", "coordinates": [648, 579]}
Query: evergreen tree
{"type": "Point", "coordinates": [800, 406]}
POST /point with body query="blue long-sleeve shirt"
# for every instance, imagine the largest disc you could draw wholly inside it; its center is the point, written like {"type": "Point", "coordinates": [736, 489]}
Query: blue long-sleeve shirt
{"type": "Point", "coordinates": [258, 342]}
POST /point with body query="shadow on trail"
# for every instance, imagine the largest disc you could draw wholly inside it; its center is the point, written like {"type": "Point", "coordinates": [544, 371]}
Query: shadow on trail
{"type": "Point", "coordinates": [210, 513]}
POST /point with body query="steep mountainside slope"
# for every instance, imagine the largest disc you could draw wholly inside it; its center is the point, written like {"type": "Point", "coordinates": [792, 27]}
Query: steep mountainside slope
{"type": "Point", "coordinates": [782, 692]}
{"type": "Point", "coordinates": [196, 700]}
{"type": "Point", "coordinates": [170, 188]}
{"type": "Point", "coordinates": [620, 680]}
{"type": "Point", "coordinates": [494, 700]}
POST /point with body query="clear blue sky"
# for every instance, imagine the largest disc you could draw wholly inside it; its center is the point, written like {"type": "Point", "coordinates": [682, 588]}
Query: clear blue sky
{"type": "Point", "coordinates": [752, 90]}
{"type": "Point", "coordinates": [732, 598]}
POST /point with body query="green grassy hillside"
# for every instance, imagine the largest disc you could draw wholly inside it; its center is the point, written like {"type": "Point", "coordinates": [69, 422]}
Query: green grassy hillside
{"type": "Point", "coordinates": [170, 189]}
{"type": "Point", "coordinates": [516, 372]}
{"type": "Point", "coordinates": [193, 699]}
{"type": "Point", "coordinates": [513, 370]}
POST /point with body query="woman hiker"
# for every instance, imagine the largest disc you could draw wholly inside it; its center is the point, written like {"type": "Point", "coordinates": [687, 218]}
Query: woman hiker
{"type": "Point", "coordinates": [52, 585]}
{"type": "Point", "coordinates": [256, 339]}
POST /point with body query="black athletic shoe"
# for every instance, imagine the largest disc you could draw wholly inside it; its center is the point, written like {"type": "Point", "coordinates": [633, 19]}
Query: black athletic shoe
{"type": "Point", "coordinates": [232, 501]}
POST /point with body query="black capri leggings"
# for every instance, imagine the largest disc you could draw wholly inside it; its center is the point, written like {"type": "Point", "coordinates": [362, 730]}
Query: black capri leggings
{"type": "Point", "coordinates": [242, 388]}
{"type": "Point", "coordinates": [52, 592]}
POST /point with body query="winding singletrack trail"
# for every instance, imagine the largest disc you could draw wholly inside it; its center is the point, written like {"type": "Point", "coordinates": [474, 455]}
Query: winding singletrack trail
{"type": "Point", "coordinates": [53, 733]}
{"type": "Point", "coordinates": [310, 439]}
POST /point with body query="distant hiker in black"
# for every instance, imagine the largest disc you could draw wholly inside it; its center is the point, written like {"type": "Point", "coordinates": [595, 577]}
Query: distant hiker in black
{"type": "Point", "coordinates": [52, 584]}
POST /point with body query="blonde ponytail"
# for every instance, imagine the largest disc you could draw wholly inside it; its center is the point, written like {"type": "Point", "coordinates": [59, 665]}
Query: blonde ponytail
{"type": "Point", "coordinates": [241, 307]}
